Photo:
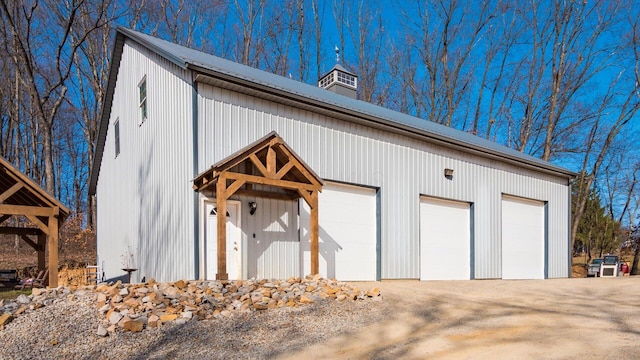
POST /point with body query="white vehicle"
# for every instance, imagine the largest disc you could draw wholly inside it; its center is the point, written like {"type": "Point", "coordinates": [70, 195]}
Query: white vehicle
{"type": "Point", "coordinates": [594, 267]}
{"type": "Point", "coordinates": [610, 266]}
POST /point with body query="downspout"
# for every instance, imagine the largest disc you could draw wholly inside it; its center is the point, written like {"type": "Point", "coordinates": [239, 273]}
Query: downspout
{"type": "Point", "coordinates": [194, 173]}
{"type": "Point", "coordinates": [569, 247]}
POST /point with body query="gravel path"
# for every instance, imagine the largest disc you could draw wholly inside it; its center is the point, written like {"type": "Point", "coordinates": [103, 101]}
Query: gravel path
{"type": "Point", "coordinates": [67, 330]}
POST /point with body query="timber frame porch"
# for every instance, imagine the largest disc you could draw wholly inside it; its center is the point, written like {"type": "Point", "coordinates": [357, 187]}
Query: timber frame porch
{"type": "Point", "coordinates": [272, 165]}
{"type": "Point", "coordinates": [21, 196]}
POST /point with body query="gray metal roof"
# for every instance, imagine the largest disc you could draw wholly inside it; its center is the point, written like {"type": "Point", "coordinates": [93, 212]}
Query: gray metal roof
{"type": "Point", "coordinates": [340, 68]}
{"type": "Point", "coordinates": [213, 65]}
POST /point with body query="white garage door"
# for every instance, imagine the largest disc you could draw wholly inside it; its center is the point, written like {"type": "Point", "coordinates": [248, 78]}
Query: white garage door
{"type": "Point", "coordinates": [523, 230]}
{"type": "Point", "coordinates": [348, 233]}
{"type": "Point", "coordinates": [445, 240]}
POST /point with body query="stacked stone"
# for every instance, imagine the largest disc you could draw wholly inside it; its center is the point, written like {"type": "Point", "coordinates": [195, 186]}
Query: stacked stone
{"type": "Point", "coordinates": [134, 307]}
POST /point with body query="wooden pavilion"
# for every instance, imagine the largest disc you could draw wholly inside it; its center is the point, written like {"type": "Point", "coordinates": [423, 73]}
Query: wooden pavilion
{"type": "Point", "coordinates": [21, 196]}
{"type": "Point", "coordinates": [268, 168]}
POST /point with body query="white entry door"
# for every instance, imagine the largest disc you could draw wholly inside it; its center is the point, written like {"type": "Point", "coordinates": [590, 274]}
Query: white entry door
{"type": "Point", "coordinates": [234, 251]}
{"type": "Point", "coordinates": [523, 229]}
{"type": "Point", "coordinates": [348, 233]}
{"type": "Point", "coordinates": [445, 240]}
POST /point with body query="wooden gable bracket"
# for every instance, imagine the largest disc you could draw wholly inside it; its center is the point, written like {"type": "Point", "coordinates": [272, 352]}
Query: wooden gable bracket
{"type": "Point", "coordinates": [230, 175]}
{"type": "Point", "coordinates": [42, 209]}
{"type": "Point", "coordinates": [9, 192]}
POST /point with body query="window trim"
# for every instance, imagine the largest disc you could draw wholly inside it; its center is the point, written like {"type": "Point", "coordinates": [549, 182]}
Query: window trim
{"type": "Point", "coordinates": [116, 135]}
{"type": "Point", "coordinates": [142, 102]}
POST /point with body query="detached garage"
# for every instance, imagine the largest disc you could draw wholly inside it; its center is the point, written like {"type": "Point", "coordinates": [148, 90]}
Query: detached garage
{"type": "Point", "coordinates": [294, 179]}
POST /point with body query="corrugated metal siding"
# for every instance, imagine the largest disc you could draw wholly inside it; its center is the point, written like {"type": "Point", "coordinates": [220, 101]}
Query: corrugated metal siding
{"type": "Point", "coordinates": [145, 201]}
{"type": "Point", "coordinates": [403, 168]}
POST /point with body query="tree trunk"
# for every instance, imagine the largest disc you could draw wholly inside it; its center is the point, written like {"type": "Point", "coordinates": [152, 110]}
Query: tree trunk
{"type": "Point", "coordinates": [636, 258]}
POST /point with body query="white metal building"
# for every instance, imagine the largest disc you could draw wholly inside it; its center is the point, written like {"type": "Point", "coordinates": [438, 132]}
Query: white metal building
{"type": "Point", "coordinates": [403, 198]}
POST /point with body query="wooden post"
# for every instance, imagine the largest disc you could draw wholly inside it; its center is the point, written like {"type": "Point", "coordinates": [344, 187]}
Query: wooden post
{"type": "Point", "coordinates": [315, 268]}
{"type": "Point", "coordinates": [42, 242]}
{"type": "Point", "coordinates": [271, 162]}
{"type": "Point", "coordinates": [53, 252]}
{"type": "Point", "coordinates": [221, 205]}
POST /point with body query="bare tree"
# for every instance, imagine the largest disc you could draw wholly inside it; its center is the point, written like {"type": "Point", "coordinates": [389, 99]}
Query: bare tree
{"type": "Point", "coordinates": [46, 80]}
{"type": "Point", "coordinates": [445, 33]}
{"type": "Point", "coordinates": [365, 27]}
{"type": "Point", "coordinates": [498, 41]}
{"type": "Point", "coordinates": [403, 92]}
{"type": "Point", "coordinates": [318, 16]}
{"type": "Point", "coordinates": [249, 14]}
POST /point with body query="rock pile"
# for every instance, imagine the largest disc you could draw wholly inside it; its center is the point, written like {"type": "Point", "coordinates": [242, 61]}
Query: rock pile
{"type": "Point", "coordinates": [134, 307]}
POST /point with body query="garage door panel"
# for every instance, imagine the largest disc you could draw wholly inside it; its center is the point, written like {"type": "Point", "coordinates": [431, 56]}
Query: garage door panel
{"type": "Point", "coordinates": [523, 232]}
{"type": "Point", "coordinates": [445, 240]}
{"type": "Point", "coordinates": [348, 233]}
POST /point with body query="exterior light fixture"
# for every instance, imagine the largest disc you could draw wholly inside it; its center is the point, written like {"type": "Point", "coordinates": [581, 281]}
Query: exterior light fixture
{"type": "Point", "coordinates": [448, 173]}
{"type": "Point", "coordinates": [252, 207]}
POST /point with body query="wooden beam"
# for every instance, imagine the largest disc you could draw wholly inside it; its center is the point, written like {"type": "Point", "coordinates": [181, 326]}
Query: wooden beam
{"type": "Point", "coordinates": [204, 181]}
{"type": "Point", "coordinates": [30, 242]}
{"type": "Point", "coordinates": [258, 164]}
{"type": "Point", "coordinates": [221, 205]}
{"type": "Point", "coordinates": [307, 174]}
{"type": "Point", "coordinates": [12, 190]}
{"type": "Point", "coordinates": [268, 194]}
{"type": "Point", "coordinates": [42, 244]}
{"type": "Point", "coordinates": [284, 170]}
{"type": "Point", "coordinates": [6, 209]}
{"type": "Point", "coordinates": [302, 168]}
{"type": "Point", "coordinates": [19, 231]}
{"type": "Point", "coordinates": [53, 252]}
{"type": "Point", "coordinates": [21, 178]}
{"type": "Point", "coordinates": [4, 218]}
{"type": "Point", "coordinates": [233, 188]}
{"type": "Point", "coordinates": [306, 196]}
{"type": "Point", "coordinates": [271, 163]}
{"type": "Point", "coordinates": [314, 233]}
{"type": "Point", "coordinates": [46, 229]}
{"type": "Point", "coordinates": [272, 182]}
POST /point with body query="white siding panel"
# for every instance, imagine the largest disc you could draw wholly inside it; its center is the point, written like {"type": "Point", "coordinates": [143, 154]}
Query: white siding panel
{"type": "Point", "coordinates": [140, 208]}
{"type": "Point", "coordinates": [401, 167]}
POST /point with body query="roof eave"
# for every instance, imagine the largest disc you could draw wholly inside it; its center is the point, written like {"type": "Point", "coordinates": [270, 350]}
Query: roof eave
{"type": "Point", "coordinates": [103, 126]}
{"type": "Point", "coordinates": [35, 188]}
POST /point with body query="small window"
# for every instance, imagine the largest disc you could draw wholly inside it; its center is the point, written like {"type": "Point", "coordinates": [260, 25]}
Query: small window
{"type": "Point", "coordinates": [215, 212]}
{"type": "Point", "coordinates": [327, 80]}
{"type": "Point", "coordinates": [143, 99]}
{"type": "Point", "coordinates": [347, 79]}
{"type": "Point", "coordinates": [116, 130]}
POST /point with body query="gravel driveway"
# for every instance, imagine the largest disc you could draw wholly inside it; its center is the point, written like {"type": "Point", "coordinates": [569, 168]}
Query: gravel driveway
{"type": "Point", "coordinates": [565, 318]}
{"type": "Point", "coordinates": [534, 319]}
